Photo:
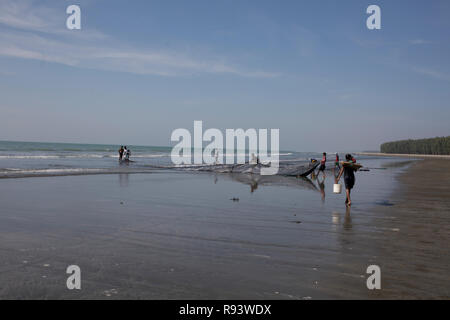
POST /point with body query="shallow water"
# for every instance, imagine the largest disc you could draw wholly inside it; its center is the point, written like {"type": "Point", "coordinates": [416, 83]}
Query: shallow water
{"type": "Point", "coordinates": [180, 235]}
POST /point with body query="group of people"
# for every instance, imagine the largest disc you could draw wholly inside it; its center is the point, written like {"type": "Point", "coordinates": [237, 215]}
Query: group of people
{"type": "Point", "coordinates": [347, 170]}
{"type": "Point", "coordinates": [124, 153]}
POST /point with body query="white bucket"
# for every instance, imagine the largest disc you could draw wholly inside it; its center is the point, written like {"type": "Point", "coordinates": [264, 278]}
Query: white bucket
{"type": "Point", "coordinates": [337, 188]}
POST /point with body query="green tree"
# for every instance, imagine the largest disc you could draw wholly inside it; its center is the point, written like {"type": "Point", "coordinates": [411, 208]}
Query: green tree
{"type": "Point", "coordinates": [437, 146]}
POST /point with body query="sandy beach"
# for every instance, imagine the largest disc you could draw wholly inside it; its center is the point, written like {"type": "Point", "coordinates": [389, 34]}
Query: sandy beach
{"type": "Point", "coordinates": [179, 236]}
{"type": "Point", "coordinates": [414, 231]}
{"type": "Point", "coordinates": [422, 214]}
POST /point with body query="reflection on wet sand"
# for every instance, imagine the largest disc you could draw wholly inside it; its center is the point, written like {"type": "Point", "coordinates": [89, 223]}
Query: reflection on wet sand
{"type": "Point", "coordinates": [321, 188]}
{"type": "Point", "coordinates": [254, 181]}
{"type": "Point", "coordinates": [336, 219]}
{"type": "Point", "coordinates": [348, 219]}
{"type": "Point", "coordinates": [123, 179]}
{"type": "Point", "coordinates": [178, 236]}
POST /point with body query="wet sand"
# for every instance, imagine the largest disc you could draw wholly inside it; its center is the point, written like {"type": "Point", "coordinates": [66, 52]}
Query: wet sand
{"type": "Point", "coordinates": [415, 255]}
{"type": "Point", "coordinates": [179, 236]}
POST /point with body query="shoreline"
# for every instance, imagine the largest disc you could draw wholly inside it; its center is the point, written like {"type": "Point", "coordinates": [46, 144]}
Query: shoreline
{"type": "Point", "coordinates": [413, 254]}
{"type": "Point", "coordinates": [403, 155]}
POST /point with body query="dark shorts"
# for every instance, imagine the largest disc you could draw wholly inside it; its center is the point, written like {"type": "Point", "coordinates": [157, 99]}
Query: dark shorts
{"type": "Point", "coordinates": [349, 183]}
{"type": "Point", "coordinates": [322, 167]}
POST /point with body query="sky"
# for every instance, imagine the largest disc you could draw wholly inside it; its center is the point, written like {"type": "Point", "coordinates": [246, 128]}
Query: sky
{"type": "Point", "coordinates": [137, 70]}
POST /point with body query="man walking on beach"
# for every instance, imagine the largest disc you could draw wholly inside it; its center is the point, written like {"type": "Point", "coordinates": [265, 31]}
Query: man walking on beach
{"type": "Point", "coordinates": [322, 164]}
{"type": "Point", "coordinates": [349, 177]}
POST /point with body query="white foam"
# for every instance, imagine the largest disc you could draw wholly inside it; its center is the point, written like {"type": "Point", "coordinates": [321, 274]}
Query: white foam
{"type": "Point", "coordinates": [55, 171]}
{"type": "Point", "coordinates": [78, 156]}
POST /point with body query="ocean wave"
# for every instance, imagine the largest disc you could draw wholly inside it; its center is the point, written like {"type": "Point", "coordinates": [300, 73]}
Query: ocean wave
{"type": "Point", "coordinates": [149, 155]}
{"type": "Point", "coordinates": [78, 156]}
{"type": "Point", "coordinates": [65, 170]}
{"type": "Point", "coordinates": [24, 173]}
{"type": "Point", "coordinates": [48, 156]}
{"type": "Point", "coordinates": [109, 155]}
{"type": "Point", "coordinates": [9, 169]}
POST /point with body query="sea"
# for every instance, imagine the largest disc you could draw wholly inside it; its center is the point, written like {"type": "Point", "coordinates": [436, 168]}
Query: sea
{"type": "Point", "coordinates": [23, 159]}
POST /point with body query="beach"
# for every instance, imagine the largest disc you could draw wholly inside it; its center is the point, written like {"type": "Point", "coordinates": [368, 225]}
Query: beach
{"type": "Point", "coordinates": [422, 213]}
{"type": "Point", "coordinates": [180, 235]}
{"type": "Point", "coordinates": [225, 154]}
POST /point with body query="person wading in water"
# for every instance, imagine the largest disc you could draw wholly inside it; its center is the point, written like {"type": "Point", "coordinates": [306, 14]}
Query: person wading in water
{"type": "Point", "coordinates": [120, 153]}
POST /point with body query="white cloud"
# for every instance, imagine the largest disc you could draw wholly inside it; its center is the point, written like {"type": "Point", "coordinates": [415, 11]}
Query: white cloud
{"type": "Point", "coordinates": [21, 14]}
{"type": "Point", "coordinates": [419, 41]}
{"type": "Point", "coordinates": [432, 73]}
{"type": "Point", "coordinates": [35, 32]}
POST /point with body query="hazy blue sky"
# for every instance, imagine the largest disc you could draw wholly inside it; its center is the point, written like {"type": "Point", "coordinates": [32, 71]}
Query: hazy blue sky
{"type": "Point", "coordinates": [139, 69]}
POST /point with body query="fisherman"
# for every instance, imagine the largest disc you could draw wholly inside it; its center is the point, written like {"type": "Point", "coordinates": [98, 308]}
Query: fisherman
{"type": "Point", "coordinates": [125, 151]}
{"type": "Point", "coordinates": [336, 162]}
{"type": "Point", "coordinates": [120, 153]}
{"type": "Point", "coordinates": [322, 164]}
{"type": "Point", "coordinates": [349, 178]}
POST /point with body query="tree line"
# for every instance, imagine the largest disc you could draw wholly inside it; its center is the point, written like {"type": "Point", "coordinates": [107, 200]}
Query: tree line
{"type": "Point", "coordinates": [438, 146]}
